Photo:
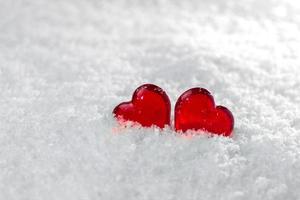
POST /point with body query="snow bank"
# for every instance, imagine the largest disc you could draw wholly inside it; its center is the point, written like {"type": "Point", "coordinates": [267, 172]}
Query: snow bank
{"type": "Point", "coordinates": [64, 65]}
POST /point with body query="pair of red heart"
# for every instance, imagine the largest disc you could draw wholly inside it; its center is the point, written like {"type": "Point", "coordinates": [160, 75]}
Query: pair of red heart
{"type": "Point", "coordinates": [194, 110]}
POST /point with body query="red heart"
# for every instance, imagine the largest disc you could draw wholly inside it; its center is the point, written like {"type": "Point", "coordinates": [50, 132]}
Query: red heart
{"type": "Point", "coordinates": [195, 109]}
{"type": "Point", "coordinates": [149, 106]}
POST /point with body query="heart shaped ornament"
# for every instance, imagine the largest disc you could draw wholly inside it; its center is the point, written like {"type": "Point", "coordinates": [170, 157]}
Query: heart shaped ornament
{"type": "Point", "coordinates": [149, 106]}
{"type": "Point", "coordinates": [195, 110]}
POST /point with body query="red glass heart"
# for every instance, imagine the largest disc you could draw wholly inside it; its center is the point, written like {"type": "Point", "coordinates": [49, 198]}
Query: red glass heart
{"type": "Point", "coordinates": [195, 110]}
{"type": "Point", "coordinates": [149, 106]}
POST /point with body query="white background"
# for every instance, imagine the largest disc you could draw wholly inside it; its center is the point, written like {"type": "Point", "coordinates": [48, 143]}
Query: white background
{"type": "Point", "coordinates": [65, 64]}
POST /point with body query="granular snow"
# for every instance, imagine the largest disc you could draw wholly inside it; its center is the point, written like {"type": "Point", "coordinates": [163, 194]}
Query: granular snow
{"type": "Point", "coordinates": [64, 66]}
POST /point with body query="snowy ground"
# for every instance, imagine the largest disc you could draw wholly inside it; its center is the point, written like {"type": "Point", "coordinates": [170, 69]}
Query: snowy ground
{"type": "Point", "coordinates": [65, 64]}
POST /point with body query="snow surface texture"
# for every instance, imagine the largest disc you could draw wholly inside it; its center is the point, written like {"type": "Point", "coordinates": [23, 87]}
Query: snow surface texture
{"type": "Point", "coordinates": [64, 65]}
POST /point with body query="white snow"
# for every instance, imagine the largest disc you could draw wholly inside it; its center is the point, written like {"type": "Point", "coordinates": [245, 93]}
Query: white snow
{"type": "Point", "coordinates": [65, 64]}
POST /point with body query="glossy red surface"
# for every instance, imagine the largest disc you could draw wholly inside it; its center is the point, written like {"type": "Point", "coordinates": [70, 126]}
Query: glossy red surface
{"type": "Point", "coordinates": [149, 106]}
{"type": "Point", "coordinates": [195, 110]}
